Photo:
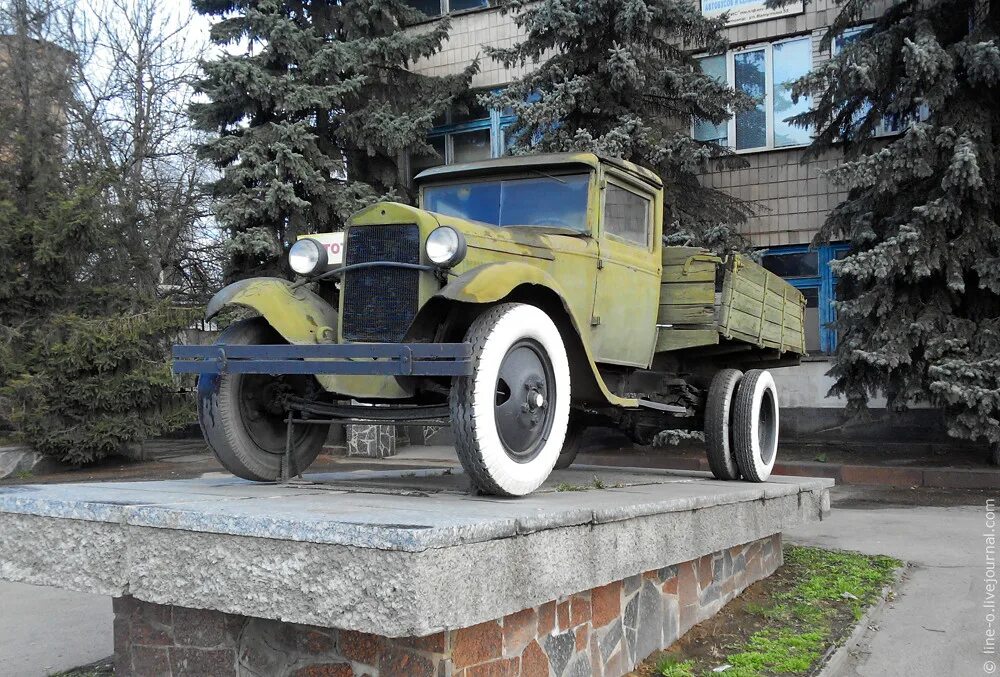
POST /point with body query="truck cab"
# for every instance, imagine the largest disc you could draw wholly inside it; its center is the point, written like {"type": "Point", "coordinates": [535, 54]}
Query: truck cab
{"type": "Point", "coordinates": [521, 300]}
{"type": "Point", "coordinates": [600, 219]}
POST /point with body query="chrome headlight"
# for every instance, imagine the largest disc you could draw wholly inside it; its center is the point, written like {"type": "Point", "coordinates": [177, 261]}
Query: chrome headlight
{"type": "Point", "coordinates": [307, 256]}
{"type": "Point", "coordinates": [445, 247]}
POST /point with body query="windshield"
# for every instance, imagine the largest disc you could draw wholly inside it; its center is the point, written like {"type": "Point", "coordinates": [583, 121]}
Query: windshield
{"type": "Point", "coordinates": [553, 201]}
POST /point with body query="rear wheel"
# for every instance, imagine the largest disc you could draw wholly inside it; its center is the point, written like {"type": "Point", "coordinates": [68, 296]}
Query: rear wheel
{"type": "Point", "coordinates": [242, 417]}
{"type": "Point", "coordinates": [571, 445]}
{"type": "Point", "coordinates": [510, 416]}
{"type": "Point", "coordinates": [755, 425]}
{"type": "Point", "coordinates": [718, 424]}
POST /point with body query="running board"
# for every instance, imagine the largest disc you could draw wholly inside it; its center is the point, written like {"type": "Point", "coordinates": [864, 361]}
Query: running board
{"type": "Point", "coordinates": [666, 408]}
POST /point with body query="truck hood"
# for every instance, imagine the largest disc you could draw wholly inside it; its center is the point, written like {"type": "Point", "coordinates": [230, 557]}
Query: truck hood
{"type": "Point", "coordinates": [531, 241]}
{"type": "Point", "coordinates": [535, 241]}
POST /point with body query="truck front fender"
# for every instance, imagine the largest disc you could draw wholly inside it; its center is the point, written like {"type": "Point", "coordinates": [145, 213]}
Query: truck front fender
{"type": "Point", "coordinates": [299, 315]}
{"type": "Point", "coordinates": [494, 281]}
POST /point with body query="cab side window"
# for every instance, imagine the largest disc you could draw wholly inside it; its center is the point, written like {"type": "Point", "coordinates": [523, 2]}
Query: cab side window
{"type": "Point", "coordinates": [626, 215]}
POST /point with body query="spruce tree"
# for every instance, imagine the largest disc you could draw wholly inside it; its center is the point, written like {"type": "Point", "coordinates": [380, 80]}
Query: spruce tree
{"type": "Point", "coordinates": [314, 115]}
{"type": "Point", "coordinates": [84, 369]}
{"type": "Point", "coordinates": [919, 311]}
{"type": "Point", "coordinates": [619, 77]}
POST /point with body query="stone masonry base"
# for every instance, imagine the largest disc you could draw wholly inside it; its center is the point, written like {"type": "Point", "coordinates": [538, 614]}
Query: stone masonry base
{"type": "Point", "coordinates": [603, 632]}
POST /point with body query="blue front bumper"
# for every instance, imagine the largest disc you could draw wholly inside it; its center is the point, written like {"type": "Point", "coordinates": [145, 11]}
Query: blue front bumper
{"type": "Point", "coordinates": [382, 359]}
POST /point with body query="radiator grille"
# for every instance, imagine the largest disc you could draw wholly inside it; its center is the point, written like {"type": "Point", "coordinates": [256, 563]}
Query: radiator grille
{"type": "Point", "coordinates": [380, 302]}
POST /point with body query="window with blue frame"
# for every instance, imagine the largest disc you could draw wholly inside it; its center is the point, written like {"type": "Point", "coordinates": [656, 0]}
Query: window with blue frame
{"type": "Point", "coordinates": [466, 133]}
{"type": "Point", "coordinates": [808, 270]}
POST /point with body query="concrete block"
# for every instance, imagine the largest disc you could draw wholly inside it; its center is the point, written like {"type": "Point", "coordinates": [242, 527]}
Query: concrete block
{"type": "Point", "coordinates": [396, 549]}
{"type": "Point", "coordinates": [22, 460]}
{"type": "Point", "coordinates": [371, 441]}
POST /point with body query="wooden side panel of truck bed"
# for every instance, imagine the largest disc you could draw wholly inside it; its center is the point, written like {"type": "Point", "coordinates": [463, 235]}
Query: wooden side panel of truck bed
{"type": "Point", "coordinates": [759, 307]}
{"type": "Point", "coordinates": [703, 297]}
{"type": "Point", "coordinates": [686, 317]}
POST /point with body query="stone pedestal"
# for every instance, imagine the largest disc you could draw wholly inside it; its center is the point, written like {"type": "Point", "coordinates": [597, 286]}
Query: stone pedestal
{"type": "Point", "coordinates": [601, 631]}
{"type": "Point", "coordinates": [402, 573]}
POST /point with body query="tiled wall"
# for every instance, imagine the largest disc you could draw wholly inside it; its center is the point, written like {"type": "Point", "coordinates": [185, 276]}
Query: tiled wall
{"type": "Point", "coordinates": [817, 15]}
{"type": "Point", "coordinates": [470, 32]}
{"type": "Point", "coordinates": [793, 198]}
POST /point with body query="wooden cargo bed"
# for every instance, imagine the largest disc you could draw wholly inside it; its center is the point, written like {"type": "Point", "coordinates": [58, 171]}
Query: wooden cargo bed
{"type": "Point", "coordinates": [703, 297]}
{"type": "Point", "coordinates": [759, 307]}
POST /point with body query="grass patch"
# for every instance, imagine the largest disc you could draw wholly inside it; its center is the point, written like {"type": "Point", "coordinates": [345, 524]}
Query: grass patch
{"type": "Point", "coordinates": [782, 652]}
{"type": "Point", "coordinates": [668, 666]}
{"type": "Point", "coordinates": [844, 578]}
{"type": "Point", "coordinates": [784, 624]}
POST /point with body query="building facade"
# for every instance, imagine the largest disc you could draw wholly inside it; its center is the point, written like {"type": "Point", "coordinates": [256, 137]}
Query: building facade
{"type": "Point", "coordinates": [769, 47]}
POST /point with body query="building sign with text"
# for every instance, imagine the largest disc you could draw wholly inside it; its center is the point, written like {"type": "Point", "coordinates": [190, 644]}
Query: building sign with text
{"type": "Point", "coordinates": [747, 11]}
{"type": "Point", "coordinates": [334, 243]}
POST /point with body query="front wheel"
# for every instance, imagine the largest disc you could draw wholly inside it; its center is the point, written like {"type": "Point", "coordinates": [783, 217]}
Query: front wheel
{"type": "Point", "coordinates": [242, 417]}
{"type": "Point", "coordinates": [510, 416]}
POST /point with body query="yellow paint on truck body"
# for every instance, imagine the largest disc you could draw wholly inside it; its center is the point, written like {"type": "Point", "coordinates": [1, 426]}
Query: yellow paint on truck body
{"type": "Point", "coordinates": [302, 318]}
{"type": "Point", "coordinates": [296, 313]}
{"type": "Point", "coordinates": [752, 305]}
{"type": "Point", "coordinates": [624, 299]}
{"type": "Point", "coordinates": [605, 282]}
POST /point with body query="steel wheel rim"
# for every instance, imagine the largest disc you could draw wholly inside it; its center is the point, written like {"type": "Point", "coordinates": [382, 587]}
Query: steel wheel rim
{"type": "Point", "coordinates": [524, 400]}
{"type": "Point", "coordinates": [264, 418]}
{"type": "Point", "coordinates": [766, 428]}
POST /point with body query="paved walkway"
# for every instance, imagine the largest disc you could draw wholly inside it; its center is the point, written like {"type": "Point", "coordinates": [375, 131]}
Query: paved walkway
{"type": "Point", "coordinates": [937, 624]}
{"type": "Point", "coordinates": [46, 630]}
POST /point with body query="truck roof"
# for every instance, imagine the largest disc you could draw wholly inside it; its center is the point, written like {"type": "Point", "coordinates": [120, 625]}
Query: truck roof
{"type": "Point", "coordinates": [540, 160]}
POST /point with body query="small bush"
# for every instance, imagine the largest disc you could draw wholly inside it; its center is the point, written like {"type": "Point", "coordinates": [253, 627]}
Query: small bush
{"type": "Point", "coordinates": [82, 388]}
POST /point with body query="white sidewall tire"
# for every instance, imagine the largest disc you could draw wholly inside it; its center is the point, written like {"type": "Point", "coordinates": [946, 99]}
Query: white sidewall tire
{"type": "Point", "coordinates": [472, 400]}
{"type": "Point", "coordinates": [718, 424]}
{"type": "Point", "coordinates": [756, 391]}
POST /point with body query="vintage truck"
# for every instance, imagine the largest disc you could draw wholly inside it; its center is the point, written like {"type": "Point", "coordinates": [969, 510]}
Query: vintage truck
{"type": "Point", "coordinates": [525, 299]}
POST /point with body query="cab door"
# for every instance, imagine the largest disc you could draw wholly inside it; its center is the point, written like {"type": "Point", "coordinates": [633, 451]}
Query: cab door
{"type": "Point", "coordinates": [627, 292]}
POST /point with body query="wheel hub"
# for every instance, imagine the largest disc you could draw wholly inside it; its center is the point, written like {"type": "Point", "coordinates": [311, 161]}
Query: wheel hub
{"type": "Point", "coordinates": [262, 408]}
{"type": "Point", "coordinates": [523, 395]}
{"type": "Point", "coordinates": [536, 400]}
